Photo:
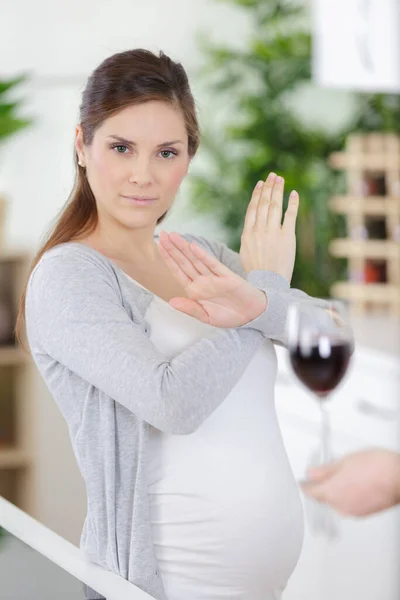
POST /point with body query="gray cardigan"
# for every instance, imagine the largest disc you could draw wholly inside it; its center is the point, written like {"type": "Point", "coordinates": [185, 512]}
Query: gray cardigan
{"type": "Point", "coordinates": [90, 342]}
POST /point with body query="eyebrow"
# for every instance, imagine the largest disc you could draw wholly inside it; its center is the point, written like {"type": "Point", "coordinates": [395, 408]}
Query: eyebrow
{"type": "Point", "coordinates": [124, 141]}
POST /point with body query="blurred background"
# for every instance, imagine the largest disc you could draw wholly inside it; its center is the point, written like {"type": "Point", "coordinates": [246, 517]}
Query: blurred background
{"type": "Point", "coordinates": [308, 89]}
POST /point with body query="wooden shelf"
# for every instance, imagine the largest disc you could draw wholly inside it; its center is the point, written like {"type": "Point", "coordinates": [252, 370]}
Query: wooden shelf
{"type": "Point", "coordinates": [11, 355]}
{"type": "Point", "coordinates": [373, 292]}
{"type": "Point", "coordinates": [372, 165]}
{"type": "Point", "coordinates": [370, 205]}
{"type": "Point", "coordinates": [18, 452]}
{"type": "Point", "coordinates": [375, 249]}
{"type": "Point", "coordinates": [13, 458]}
{"type": "Point", "coordinates": [367, 162]}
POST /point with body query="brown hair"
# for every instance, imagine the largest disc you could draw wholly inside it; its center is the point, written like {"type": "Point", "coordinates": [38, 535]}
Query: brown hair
{"type": "Point", "coordinates": [124, 79]}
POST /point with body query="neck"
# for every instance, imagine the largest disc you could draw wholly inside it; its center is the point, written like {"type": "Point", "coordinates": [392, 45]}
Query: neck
{"type": "Point", "coordinates": [136, 246]}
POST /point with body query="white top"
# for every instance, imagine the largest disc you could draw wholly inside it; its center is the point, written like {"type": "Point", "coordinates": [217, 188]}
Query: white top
{"type": "Point", "coordinates": [225, 510]}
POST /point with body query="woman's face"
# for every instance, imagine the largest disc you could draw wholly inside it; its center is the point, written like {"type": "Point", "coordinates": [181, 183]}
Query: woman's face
{"type": "Point", "coordinates": [141, 152]}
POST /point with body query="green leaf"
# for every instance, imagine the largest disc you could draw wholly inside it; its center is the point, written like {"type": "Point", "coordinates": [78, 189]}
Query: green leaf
{"type": "Point", "coordinates": [10, 126]}
{"type": "Point", "coordinates": [7, 85]}
{"type": "Point", "coordinates": [10, 121]}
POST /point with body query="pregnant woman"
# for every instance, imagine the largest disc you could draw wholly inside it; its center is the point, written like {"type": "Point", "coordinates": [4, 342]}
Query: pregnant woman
{"type": "Point", "coordinates": [159, 351]}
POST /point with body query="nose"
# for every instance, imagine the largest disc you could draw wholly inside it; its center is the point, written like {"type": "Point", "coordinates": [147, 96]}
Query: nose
{"type": "Point", "coordinates": [140, 172]}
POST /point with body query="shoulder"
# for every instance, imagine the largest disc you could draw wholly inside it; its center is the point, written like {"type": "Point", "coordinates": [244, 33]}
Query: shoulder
{"type": "Point", "coordinates": [76, 254]}
{"type": "Point", "coordinates": [71, 283]}
{"type": "Point", "coordinates": [71, 264]}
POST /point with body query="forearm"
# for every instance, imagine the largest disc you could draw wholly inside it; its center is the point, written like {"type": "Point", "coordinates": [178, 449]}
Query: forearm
{"type": "Point", "coordinates": [271, 322]}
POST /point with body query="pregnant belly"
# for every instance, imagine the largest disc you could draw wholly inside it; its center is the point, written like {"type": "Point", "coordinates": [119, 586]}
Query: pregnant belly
{"type": "Point", "coordinates": [226, 525]}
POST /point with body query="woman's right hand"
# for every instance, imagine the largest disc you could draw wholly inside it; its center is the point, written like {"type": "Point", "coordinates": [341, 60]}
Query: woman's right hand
{"type": "Point", "coordinates": [265, 243]}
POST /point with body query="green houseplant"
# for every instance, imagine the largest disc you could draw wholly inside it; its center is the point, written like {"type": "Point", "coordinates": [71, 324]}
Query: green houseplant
{"type": "Point", "coordinates": [259, 83]}
{"type": "Point", "coordinates": [10, 123]}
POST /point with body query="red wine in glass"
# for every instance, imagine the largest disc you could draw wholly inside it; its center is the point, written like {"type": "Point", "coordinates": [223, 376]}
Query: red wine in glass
{"type": "Point", "coordinates": [320, 343]}
{"type": "Point", "coordinates": [321, 371]}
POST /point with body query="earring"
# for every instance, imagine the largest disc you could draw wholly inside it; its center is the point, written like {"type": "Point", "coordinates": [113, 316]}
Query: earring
{"type": "Point", "coordinates": [80, 163]}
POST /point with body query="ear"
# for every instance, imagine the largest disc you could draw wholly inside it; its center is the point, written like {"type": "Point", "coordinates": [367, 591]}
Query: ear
{"type": "Point", "coordinates": [79, 145]}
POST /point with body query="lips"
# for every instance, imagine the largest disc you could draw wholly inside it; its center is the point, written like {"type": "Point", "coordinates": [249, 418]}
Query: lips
{"type": "Point", "coordinates": [140, 198]}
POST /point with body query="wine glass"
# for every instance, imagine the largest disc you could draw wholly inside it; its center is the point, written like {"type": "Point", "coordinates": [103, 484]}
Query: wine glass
{"type": "Point", "coordinates": [320, 343]}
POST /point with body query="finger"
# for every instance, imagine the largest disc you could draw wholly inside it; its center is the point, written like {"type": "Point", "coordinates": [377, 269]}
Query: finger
{"type": "Point", "coordinates": [184, 246]}
{"type": "Point", "coordinates": [251, 212]}
{"type": "Point", "coordinates": [174, 267]}
{"type": "Point", "coordinates": [265, 199]}
{"type": "Point", "coordinates": [275, 206]}
{"type": "Point", "coordinates": [213, 264]}
{"type": "Point", "coordinates": [191, 308]}
{"type": "Point", "coordinates": [185, 265]}
{"type": "Point", "coordinates": [289, 222]}
{"type": "Point", "coordinates": [318, 492]}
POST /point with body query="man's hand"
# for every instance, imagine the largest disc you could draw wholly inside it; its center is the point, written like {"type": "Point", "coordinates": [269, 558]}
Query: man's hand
{"type": "Point", "coordinates": [360, 484]}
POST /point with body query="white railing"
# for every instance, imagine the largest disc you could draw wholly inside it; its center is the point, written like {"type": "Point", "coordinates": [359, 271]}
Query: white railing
{"type": "Point", "coordinates": [66, 555]}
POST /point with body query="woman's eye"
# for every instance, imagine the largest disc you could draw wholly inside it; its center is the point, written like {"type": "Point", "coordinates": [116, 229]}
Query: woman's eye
{"type": "Point", "coordinates": [170, 152]}
{"type": "Point", "coordinates": [120, 148]}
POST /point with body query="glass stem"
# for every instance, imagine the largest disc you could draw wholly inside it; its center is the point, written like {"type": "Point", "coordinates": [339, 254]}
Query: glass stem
{"type": "Point", "coordinates": [326, 453]}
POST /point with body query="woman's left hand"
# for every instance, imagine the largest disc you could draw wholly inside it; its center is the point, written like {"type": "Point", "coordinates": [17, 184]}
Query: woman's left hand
{"type": "Point", "coordinates": [216, 295]}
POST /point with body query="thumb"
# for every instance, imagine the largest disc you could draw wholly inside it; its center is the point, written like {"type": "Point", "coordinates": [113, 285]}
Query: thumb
{"type": "Point", "coordinates": [317, 474]}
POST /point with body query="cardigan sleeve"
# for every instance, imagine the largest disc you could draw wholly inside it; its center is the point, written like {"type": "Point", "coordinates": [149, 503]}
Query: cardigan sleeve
{"type": "Point", "coordinates": [75, 315]}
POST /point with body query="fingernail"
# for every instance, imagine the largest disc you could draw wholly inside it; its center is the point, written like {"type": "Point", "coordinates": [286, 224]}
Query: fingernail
{"type": "Point", "coordinates": [279, 179]}
{"type": "Point", "coordinates": [271, 176]}
{"type": "Point", "coordinates": [259, 184]}
{"type": "Point", "coordinates": [294, 195]}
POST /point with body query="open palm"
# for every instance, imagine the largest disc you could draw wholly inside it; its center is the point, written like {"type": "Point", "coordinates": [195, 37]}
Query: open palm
{"type": "Point", "coordinates": [216, 295]}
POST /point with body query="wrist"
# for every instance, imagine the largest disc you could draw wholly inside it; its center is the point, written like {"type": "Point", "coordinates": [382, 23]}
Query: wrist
{"type": "Point", "coordinates": [270, 272]}
{"type": "Point", "coordinates": [263, 302]}
{"type": "Point", "coordinates": [268, 280]}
